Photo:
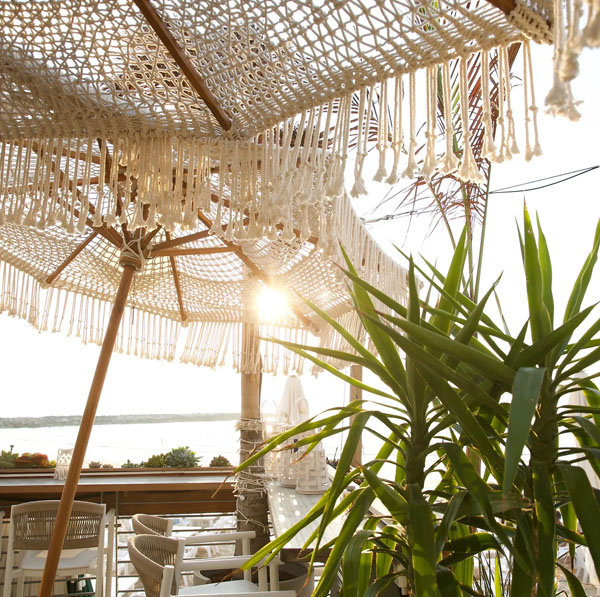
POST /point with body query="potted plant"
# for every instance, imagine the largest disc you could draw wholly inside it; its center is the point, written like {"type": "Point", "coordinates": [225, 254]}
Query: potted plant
{"type": "Point", "coordinates": [445, 368]}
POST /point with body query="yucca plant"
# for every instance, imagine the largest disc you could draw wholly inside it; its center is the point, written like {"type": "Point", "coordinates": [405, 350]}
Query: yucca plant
{"type": "Point", "coordinates": [551, 367]}
{"type": "Point", "coordinates": [446, 369]}
{"type": "Point", "coordinates": [431, 396]}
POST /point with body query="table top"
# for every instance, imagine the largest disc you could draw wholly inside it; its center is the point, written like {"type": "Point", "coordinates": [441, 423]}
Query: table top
{"type": "Point", "coordinates": [288, 507]}
{"type": "Point", "coordinates": [40, 482]}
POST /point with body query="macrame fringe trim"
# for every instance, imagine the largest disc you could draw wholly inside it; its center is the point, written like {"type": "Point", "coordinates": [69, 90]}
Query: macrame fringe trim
{"type": "Point", "coordinates": [141, 334]}
{"type": "Point", "coordinates": [266, 183]}
{"type": "Point", "coordinates": [214, 344]}
{"type": "Point", "coordinates": [576, 26]}
{"type": "Point", "coordinates": [373, 265]}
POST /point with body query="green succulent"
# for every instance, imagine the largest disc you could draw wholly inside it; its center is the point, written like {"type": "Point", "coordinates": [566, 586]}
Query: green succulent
{"type": "Point", "coordinates": [130, 464]}
{"type": "Point", "coordinates": [220, 461]}
{"type": "Point", "coordinates": [155, 461]}
{"type": "Point", "coordinates": [181, 457]}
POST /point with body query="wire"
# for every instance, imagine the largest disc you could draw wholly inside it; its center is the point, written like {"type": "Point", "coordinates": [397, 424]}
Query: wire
{"type": "Point", "coordinates": [565, 176]}
{"type": "Point", "coordinates": [404, 214]}
{"type": "Point", "coordinates": [518, 188]}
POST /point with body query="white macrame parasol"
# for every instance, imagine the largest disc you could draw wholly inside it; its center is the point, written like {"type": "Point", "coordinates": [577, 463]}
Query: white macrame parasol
{"type": "Point", "coordinates": [175, 156]}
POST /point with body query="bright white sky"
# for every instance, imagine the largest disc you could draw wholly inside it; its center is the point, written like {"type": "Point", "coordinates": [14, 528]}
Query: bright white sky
{"type": "Point", "coordinates": [45, 374]}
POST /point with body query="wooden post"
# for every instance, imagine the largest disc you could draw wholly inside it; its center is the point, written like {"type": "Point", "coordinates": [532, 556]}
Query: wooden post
{"type": "Point", "coordinates": [356, 371]}
{"type": "Point", "coordinates": [252, 506]}
{"type": "Point", "coordinates": [85, 429]}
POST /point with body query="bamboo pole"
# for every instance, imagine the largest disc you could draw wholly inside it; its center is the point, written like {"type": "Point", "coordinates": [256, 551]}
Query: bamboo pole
{"type": "Point", "coordinates": [85, 429]}
{"type": "Point", "coordinates": [356, 371]}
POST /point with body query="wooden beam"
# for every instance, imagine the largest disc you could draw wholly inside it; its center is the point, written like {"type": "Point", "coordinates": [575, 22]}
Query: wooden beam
{"type": "Point", "coordinates": [109, 233]}
{"type": "Point", "coordinates": [118, 198]}
{"type": "Point", "coordinates": [177, 283]}
{"type": "Point", "coordinates": [149, 236]}
{"type": "Point", "coordinates": [197, 251]}
{"type": "Point", "coordinates": [72, 154]}
{"type": "Point", "coordinates": [175, 242]}
{"type": "Point", "coordinates": [184, 62]}
{"type": "Point", "coordinates": [72, 256]}
{"type": "Point", "coordinates": [506, 6]}
{"type": "Point", "coordinates": [83, 436]}
{"type": "Point", "coordinates": [252, 505]}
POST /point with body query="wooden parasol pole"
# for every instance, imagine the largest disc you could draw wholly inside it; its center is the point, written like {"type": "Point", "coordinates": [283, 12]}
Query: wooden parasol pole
{"type": "Point", "coordinates": [70, 487]}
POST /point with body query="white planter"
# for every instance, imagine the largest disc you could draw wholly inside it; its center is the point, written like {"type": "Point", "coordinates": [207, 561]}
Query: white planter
{"type": "Point", "coordinates": [299, 572]}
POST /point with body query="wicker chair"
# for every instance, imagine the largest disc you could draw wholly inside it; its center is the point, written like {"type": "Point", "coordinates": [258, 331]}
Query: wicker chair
{"type": "Point", "coordinates": [84, 550]}
{"type": "Point", "coordinates": [148, 524]}
{"type": "Point", "coordinates": [159, 563]}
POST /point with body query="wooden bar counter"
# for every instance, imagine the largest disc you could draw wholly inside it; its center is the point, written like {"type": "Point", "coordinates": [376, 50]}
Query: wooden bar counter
{"type": "Point", "coordinates": [152, 491]}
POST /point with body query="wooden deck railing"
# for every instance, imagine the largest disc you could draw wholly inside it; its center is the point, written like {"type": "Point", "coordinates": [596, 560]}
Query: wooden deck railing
{"type": "Point", "coordinates": [199, 498]}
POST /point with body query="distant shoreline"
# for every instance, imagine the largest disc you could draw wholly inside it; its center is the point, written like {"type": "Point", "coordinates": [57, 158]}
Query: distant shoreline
{"type": "Point", "coordinates": [75, 420]}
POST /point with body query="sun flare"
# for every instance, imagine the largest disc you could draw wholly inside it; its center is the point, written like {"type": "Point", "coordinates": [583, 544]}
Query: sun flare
{"type": "Point", "coordinates": [272, 304]}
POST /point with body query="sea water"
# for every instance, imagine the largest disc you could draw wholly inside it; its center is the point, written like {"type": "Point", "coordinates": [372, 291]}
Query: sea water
{"type": "Point", "coordinates": [115, 444]}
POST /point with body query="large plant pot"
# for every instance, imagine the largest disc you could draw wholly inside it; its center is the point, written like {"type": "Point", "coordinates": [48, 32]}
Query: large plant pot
{"type": "Point", "coordinates": [292, 577]}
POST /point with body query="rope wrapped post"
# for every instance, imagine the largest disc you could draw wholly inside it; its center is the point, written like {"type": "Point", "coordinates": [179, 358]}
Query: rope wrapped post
{"type": "Point", "coordinates": [252, 506]}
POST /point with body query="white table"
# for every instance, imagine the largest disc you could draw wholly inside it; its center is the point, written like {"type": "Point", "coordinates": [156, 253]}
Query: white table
{"type": "Point", "coordinates": [287, 508]}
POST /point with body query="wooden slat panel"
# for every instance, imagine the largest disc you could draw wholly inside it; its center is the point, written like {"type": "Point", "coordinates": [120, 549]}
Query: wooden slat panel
{"type": "Point", "coordinates": [192, 507]}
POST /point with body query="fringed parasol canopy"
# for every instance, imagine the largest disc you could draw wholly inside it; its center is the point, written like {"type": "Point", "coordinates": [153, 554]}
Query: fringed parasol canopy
{"type": "Point", "coordinates": [250, 107]}
{"type": "Point", "coordinates": [193, 279]}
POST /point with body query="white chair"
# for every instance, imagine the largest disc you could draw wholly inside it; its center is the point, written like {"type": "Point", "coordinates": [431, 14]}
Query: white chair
{"type": "Point", "coordinates": [149, 524]}
{"type": "Point", "coordinates": [159, 563]}
{"type": "Point", "coordinates": [84, 550]}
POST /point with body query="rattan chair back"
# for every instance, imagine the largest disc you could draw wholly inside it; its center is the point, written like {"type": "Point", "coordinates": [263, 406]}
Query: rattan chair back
{"type": "Point", "coordinates": [34, 522]}
{"type": "Point", "coordinates": [150, 554]}
{"type": "Point", "coordinates": [148, 524]}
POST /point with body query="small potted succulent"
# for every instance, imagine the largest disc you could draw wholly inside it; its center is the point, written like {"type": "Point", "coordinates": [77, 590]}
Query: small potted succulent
{"type": "Point", "coordinates": [181, 457]}
{"type": "Point", "coordinates": [220, 460]}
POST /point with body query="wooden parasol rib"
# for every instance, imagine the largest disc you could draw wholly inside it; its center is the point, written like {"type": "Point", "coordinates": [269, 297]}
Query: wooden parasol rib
{"type": "Point", "coordinates": [255, 270]}
{"type": "Point", "coordinates": [183, 61]}
{"type": "Point", "coordinates": [175, 242]}
{"type": "Point", "coordinates": [177, 283]}
{"type": "Point", "coordinates": [72, 256]}
{"type": "Point", "coordinates": [506, 6]}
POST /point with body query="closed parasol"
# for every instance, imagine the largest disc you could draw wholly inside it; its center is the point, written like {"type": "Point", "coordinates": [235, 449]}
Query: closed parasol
{"type": "Point", "coordinates": [293, 407]}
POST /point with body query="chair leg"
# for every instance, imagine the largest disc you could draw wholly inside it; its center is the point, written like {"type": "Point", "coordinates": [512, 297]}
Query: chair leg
{"type": "Point", "coordinates": [20, 585]}
{"type": "Point", "coordinates": [8, 571]}
{"type": "Point", "coordinates": [109, 559]}
{"type": "Point", "coordinates": [100, 579]}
